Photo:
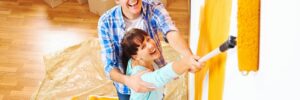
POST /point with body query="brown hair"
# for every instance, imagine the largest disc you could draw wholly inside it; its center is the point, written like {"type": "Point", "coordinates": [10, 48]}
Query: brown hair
{"type": "Point", "coordinates": [130, 43]}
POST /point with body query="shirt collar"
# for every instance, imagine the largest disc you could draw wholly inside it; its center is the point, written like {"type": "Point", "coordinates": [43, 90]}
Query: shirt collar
{"type": "Point", "coordinates": [119, 13]}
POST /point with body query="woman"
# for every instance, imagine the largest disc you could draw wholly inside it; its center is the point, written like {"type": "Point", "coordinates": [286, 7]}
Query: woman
{"type": "Point", "coordinates": [138, 53]}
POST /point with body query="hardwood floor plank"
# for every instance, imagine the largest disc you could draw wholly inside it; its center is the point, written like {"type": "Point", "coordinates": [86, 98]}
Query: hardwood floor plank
{"type": "Point", "coordinates": [7, 69]}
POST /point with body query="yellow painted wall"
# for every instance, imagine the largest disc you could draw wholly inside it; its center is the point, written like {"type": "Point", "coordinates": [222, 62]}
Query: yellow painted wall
{"type": "Point", "coordinates": [214, 30]}
{"type": "Point", "coordinates": [278, 75]}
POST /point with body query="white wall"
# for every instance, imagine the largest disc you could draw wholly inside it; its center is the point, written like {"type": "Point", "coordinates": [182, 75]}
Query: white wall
{"type": "Point", "coordinates": [278, 77]}
{"type": "Point", "coordinates": [194, 36]}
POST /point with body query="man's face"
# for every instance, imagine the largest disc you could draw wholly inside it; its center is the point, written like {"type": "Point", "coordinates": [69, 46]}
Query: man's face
{"type": "Point", "coordinates": [131, 8]}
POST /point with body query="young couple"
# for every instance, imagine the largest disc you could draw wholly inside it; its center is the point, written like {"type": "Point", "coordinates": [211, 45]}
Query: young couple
{"type": "Point", "coordinates": [129, 31]}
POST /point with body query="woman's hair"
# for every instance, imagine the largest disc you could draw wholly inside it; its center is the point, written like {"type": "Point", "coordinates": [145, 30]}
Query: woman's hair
{"type": "Point", "coordinates": [130, 43]}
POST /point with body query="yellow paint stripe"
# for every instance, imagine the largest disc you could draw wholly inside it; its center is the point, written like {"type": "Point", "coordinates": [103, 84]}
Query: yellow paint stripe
{"type": "Point", "coordinates": [214, 30]}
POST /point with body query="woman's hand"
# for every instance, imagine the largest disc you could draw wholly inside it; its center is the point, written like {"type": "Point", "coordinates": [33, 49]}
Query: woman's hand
{"type": "Point", "coordinates": [193, 63]}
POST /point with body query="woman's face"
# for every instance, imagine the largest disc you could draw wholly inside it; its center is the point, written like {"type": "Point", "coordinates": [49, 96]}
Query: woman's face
{"type": "Point", "coordinates": [148, 51]}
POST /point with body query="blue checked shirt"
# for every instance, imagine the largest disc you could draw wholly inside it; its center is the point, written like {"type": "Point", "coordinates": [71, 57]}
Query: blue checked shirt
{"type": "Point", "coordinates": [111, 29]}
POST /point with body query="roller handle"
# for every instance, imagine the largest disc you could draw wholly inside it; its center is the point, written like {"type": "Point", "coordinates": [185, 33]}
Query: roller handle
{"type": "Point", "coordinates": [230, 43]}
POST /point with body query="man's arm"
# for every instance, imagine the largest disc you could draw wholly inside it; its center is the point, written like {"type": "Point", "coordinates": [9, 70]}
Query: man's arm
{"type": "Point", "coordinates": [134, 81]}
{"type": "Point", "coordinates": [178, 43]}
{"type": "Point", "coordinates": [172, 35]}
{"type": "Point", "coordinates": [116, 75]}
{"type": "Point", "coordinates": [169, 30]}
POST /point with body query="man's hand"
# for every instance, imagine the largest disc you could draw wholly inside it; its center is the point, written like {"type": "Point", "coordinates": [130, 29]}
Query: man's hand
{"type": "Point", "coordinates": [137, 84]}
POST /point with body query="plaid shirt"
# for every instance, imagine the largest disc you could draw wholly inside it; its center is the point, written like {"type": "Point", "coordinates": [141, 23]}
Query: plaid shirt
{"type": "Point", "coordinates": [111, 29]}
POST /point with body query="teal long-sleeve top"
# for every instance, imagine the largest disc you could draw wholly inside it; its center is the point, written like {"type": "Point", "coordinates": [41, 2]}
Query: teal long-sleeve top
{"type": "Point", "coordinates": [158, 78]}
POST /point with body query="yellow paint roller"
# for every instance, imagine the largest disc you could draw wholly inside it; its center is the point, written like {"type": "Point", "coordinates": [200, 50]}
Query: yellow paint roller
{"type": "Point", "coordinates": [248, 35]}
{"type": "Point", "coordinates": [96, 97]}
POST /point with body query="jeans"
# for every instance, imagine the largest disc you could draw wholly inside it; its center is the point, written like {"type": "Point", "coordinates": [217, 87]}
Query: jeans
{"type": "Point", "coordinates": [123, 96]}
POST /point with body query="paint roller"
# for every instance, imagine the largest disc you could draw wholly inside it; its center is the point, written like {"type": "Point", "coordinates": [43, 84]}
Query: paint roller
{"type": "Point", "coordinates": [248, 25]}
{"type": "Point", "coordinates": [230, 43]}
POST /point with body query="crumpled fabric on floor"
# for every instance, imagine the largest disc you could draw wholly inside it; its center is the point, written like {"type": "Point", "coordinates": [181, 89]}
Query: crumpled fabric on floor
{"type": "Point", "coordinates": [77, 72]}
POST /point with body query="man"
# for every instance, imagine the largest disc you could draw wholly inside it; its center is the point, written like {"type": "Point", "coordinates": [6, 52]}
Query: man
{"type": "Point", "coordinates": [148, 15]}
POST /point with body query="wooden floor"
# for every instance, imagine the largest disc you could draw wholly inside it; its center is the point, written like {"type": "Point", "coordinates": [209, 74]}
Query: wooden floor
{"type": "Point", "coordinates": [30, 29]}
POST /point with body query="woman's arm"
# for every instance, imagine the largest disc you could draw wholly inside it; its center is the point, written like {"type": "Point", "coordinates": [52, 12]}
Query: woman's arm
{"type": "Point", "coordinates": [165, 74]}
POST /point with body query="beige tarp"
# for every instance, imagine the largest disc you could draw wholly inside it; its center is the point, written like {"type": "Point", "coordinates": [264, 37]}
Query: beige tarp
{"type": "Point", "coordinates": [77, 71]}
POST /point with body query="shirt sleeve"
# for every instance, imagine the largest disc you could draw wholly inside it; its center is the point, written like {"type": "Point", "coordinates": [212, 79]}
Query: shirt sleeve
{"type": "Point", "coordinates": [163, 19]}
{"type": "Point", "coordinates": [161, 76]}
{"type": "Point", "coordinates": [107, 47]}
